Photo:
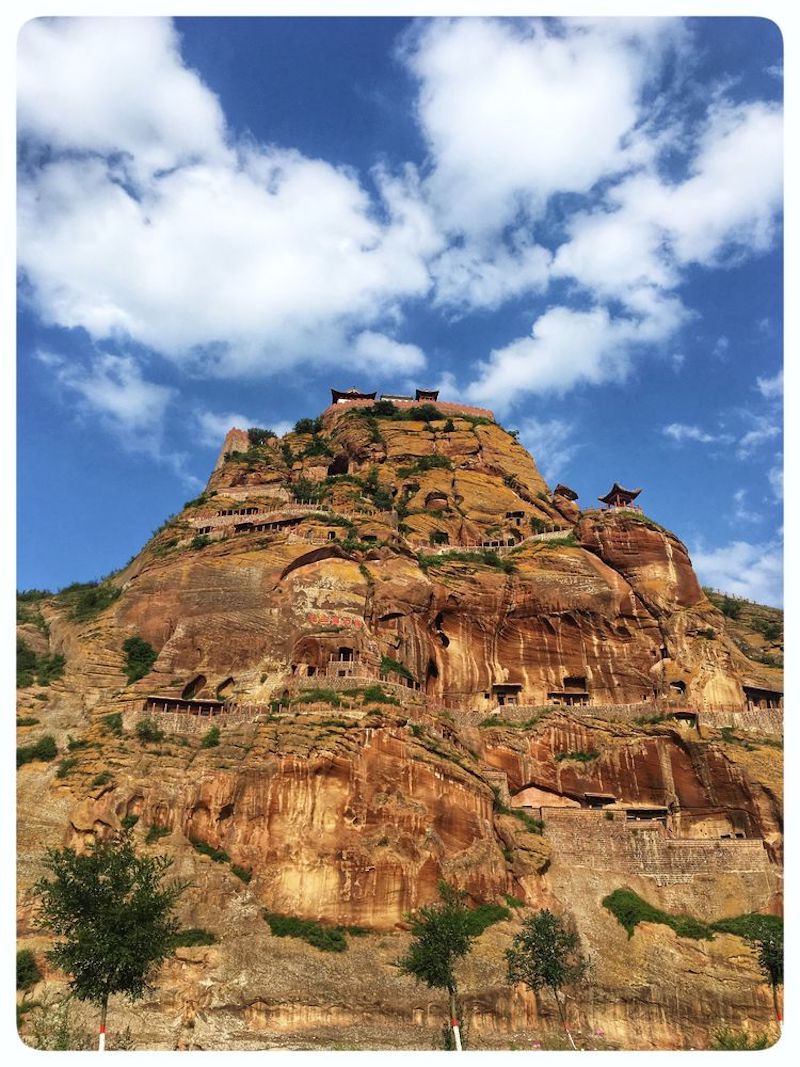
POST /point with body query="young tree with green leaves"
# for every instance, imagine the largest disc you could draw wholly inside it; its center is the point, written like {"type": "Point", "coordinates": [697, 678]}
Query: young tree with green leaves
{"type": "Point", "coordinates": [115, 917]}
{"type": "Point", "coordinates": [443, 934]}
{"type": "Point", "coordinates": [545, 954]}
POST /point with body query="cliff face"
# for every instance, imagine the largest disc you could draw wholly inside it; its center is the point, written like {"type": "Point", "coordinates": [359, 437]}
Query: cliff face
{"type": "Point", "coordinates": [427, 557]}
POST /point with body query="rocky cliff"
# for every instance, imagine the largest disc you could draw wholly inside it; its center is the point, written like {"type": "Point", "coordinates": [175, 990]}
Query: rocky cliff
{"type": "Point", "coordinates": [422, 664]}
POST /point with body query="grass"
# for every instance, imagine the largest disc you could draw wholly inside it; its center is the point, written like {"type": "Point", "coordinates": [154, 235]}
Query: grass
{"type": "Point", "coordinates": [155, 833]}
{"type": "Point", "coordinates": [66, 766]}
{"type": "Point", "coordinates": [28, 973]}
{"type": "Point", "coordinates": [193, 936]}
{"type": "Point", "coordinates": [393, 666]}
{"type": "Point", "coordinates": [101, 779]}
{"type": "Point", "coordinates": [74, 745]}
{"type": "Point", "coordinates": [218, 855]}
{"type": "Point", "coordinates": [318, 696]}
{"type": "Point", "coordinates": [374, 694]}
{"type": "Point", "coordinates": [484, 558]}
{"type": "Point", "coordinates": [241, 872]}
{"type": "Point", "coordinates": [580, 757]}
{"type": "Point", "coordinates": [86, 600]}
{"type": "Point", "coordinates": [128, 821]}
{"type": "Point", "coordinates": [484, 916]}
{"type": "Point", "coordinates": [567, 541]}
{"type": "Point", "coordinates": [534, 826]}
{"type": "Point", "coordinates": [139, 658]}
{"type": "Point", "coordinates": [29, 721]}
{"type": "Point", "coordinates": [112, 724]}
{"type": "Point", "coordinates": [322, 936]}
{"type": "Point", "coordinates": [146, 730]}
{"type": "Point", "coordinates": [739, 1041]}
{"type": "Point", "coordinates": [211, 739]}
{"type": "Point", "coordinates": [44, 750]}
{"type": "Point", "coordinates": [512, 901]}
{"type": "Point", "coordinates": [426, 463]}
{"type": "Point", "coordinates": [199, 541]}
{"type": "Point", "coordinates": [630, 909]}
{"type": "Point", "coordinates": [33, 668]}
{"type": "Point", "coordinates": [495, 720]}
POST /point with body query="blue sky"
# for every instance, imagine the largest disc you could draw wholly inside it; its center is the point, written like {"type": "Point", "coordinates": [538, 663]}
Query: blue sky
{"type": "Point", "coordinates": [575, 223]}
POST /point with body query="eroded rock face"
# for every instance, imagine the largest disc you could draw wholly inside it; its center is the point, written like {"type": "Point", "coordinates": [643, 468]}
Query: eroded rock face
{"type": "Point", "coordinates": [350, 806]}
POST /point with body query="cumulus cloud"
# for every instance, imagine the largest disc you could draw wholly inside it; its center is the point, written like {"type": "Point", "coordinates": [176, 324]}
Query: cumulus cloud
{"type": "Point", "coordinates": [212, 426]}
{"type": "Point", "coordinates": [233, 259]}
{"type": "Point", "coordinates": [474, 276]}
{"type": "Point", "coordinates": [143, 217]}
{"type": "Point", "coordinates": [116, 86]}
{"type": "Point", "coordinates": [514, 112]}
{"type": "Point", "coordinates": [551, 443]}
{"type": "Point", "coordinates": [754, 571]}
{"type": "Point", "coordinates": [568, 348]}
{"type": "Point", "coordinates": [383, 356]}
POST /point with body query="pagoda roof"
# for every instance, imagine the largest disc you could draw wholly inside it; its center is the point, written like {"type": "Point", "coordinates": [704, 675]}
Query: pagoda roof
{"type": "Point", "coordinates": [350, 394]}
{"type": "Point", "coordinates": [617, 491]}
{"type": "Point", "coordinates": [427, 394]}
{"type": "Point", "coordinates": [564, 490]}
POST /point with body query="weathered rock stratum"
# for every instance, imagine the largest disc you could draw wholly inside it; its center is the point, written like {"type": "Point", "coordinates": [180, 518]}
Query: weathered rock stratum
{"type": "Point", "coordinates": [423, 664]}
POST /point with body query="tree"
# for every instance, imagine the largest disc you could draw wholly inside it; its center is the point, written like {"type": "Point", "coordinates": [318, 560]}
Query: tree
{"type": "Point", "coordinates": [443, 934]}
{"type": "Point", "coordinates": [115, 917]}
{"type": "Point", "coordinates": [546, 954]}
{"type": "Point", "coordinates": [767, 939]}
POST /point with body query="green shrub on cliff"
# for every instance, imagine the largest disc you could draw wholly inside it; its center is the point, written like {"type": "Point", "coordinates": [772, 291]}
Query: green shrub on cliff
{"type": "Point", "coordinates": [87, 599]}
{"type": "Point", "coordinates": [140, 657]}
{"type": "Point", "coordinates": [193, 936]}
{"type": "Point", "coordinates": [325, 938]}
{"type": "Point", "coordinates": [32, 667]}
{"type": "Point", "coordinates": [629, 909]}
{"type": "Point", "coordinates": [28, 973]}
{"type": "Point", "coordinates": [736, 1041]}
{"type": "Point", "coordinates": [44, 749]}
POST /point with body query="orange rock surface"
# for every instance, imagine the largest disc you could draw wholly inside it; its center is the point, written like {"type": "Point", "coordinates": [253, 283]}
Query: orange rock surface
{"type": "Point", "coordinates": [346, 803]}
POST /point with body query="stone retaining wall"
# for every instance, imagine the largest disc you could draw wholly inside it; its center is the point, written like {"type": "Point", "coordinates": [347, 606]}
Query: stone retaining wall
{"type": "Point", "coordinates": [589, 839]}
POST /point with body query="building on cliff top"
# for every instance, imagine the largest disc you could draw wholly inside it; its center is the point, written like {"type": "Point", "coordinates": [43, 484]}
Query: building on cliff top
{"type": "Point", "coordinates": [425, 396]}
{"type": "Point", "coordinates": [618, 497]}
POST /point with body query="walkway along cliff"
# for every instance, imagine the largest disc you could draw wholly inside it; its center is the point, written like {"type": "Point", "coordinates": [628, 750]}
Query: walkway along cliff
{"type": "Point", "coordinates": [422, 664]}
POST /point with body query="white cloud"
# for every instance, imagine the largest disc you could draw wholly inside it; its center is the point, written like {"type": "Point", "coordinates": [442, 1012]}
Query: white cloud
{"type": "Point", "coordinates": [741, 512]}
{"type": "Point", "coordinates": [680, 432]}
{"type": "Point", "coordinates": [754, 571]}
{"type": "Point", "coordinates": [115, 85]}
{"type": "Point", "coordinates": [237, 260]}
{"type": "Point", "coordinates": [568, 348]}
{"type": "Point", "coordinates": [383, 356]}
{"type": "Point", "coordinates": [514, 112]}
{"type": "Point", "coordinates": [771, 388]}
{"type": "Point", "coordinates": [764, 430]}
{"type": "Point", "coordinates": [485, 275]}
{"type": "Point", "coordinates": [113, 387]}
{"type": "Point", "coordinates": [551, 443]}
{"type": "Point", "coordinates": [775, 479]}
{"type": "Point", "coordinates": [212, 427]}
{"type": "Point", "coordinates": [650, 228]}
{"type": "Point", "coordinates": [721, 346]}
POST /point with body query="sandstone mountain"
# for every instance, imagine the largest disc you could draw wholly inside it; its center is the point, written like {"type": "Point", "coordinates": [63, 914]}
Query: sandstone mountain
{"type": "Point", "coordinates": [422, 664]}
